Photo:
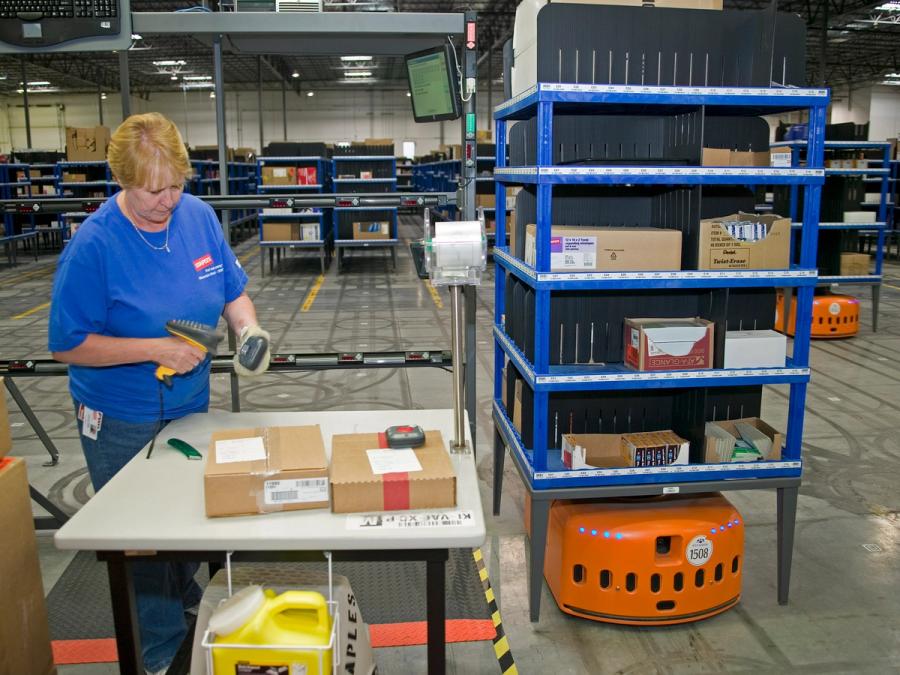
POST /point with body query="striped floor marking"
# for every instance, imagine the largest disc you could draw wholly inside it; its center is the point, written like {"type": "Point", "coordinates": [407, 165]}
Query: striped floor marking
{"type": "Point", "coordinates": [313, 292]}
{"type": "Point", "coordinates": [244, 258]}
{"type": "Point", "coordinates": [31, 311]}
{"type": "Point", "coordinates": [501, 644]}
{"type": "Point", "coordinates": [434, 294]}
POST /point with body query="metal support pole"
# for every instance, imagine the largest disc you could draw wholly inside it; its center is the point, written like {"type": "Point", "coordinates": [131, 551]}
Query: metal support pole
{"type": "Point", "coordinates": [457, 339]}
{"type": "Point", "coordinates": [823, 56]}
{"type": "Point", "coordinates": [259, 101]}
{"type": "Point", "coordinates": [25, 102]}
{"type": "Point", "coordinates": [100, 104]}
{"type": "Point", "coordinates": [124, 84]}
{"type": "Point", "coordinates": [32, 420]}
{"type": "Point", "coordinates": [490, 87]}
{"type": "Point", "coordinates": [283, 111]}
{"type": "Point", "coordinates": [219, 81]}
{"type": "Point", "coordinates": [468, 173]}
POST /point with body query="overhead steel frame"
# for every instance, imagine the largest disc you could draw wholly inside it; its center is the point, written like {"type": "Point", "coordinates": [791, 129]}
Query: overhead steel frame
{"type": "Point", "coordinates": [335, 33]}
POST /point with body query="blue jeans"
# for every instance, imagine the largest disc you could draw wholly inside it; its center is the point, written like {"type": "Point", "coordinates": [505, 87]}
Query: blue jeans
{"type": "Point", "coordinates": [164, 590]}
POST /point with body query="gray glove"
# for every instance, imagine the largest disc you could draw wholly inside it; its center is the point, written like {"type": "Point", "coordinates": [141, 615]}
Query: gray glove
{"type": "Point", "coordinates": [252, 356]}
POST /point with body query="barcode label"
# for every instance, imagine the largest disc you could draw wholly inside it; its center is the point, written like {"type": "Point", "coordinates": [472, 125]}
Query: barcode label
{"type": "Point", "coordinates": [296, 491]}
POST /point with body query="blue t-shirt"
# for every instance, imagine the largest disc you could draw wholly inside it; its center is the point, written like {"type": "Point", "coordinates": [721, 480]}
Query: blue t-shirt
{"type": "Point", "coordinates": [110, 282]}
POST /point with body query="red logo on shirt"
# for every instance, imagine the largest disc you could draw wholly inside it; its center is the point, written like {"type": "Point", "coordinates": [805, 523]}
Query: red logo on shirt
{"type": "Point", "coordinates": [203, 262]}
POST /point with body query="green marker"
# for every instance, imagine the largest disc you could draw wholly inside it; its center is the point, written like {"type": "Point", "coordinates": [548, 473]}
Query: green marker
{"type": "Point", "coordinates": [186, 449]}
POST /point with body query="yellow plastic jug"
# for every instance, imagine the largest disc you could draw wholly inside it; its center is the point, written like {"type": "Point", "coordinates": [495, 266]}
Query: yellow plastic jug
{"type": "Point", "coordinates": [253, 617]}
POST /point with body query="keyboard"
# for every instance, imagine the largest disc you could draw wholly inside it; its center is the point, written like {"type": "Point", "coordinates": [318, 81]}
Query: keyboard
{"type": "Point", "coordinates": [36, 23]}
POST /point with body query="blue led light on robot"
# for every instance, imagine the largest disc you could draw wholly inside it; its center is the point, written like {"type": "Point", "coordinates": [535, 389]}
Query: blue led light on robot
{"type": "Point", "coordinates": [606, 534]}
{"type": "Point", "coordinates": [593, 533]}
{"type": "Point", "coordinates": [618, 535]}
{"type": "Point", "coordinates": [581, 529]}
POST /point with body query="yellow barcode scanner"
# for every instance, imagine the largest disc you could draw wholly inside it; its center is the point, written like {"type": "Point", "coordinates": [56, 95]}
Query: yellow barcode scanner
{"type": "Point", "coordinates": [201, 336]}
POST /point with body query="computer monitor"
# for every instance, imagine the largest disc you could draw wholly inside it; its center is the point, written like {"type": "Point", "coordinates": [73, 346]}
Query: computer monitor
{"type": "Point", "coordinates": [433, 84]}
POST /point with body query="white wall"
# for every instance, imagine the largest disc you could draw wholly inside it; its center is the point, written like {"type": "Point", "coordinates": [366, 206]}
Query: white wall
{"type": "Point", "coordinates": [885, 113]}
{"type": "Point", "coordinates": [329, 116]}
{"type": "Point", "coordinates": [851, 105]}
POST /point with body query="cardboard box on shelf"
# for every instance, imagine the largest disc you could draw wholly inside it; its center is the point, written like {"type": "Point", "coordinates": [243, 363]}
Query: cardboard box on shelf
{"type": "Point", "coordinates": [245, 154]}
{"type": "Point", "coordinates": [483, 136]}
{"type": "Point", "coordinates": [73, 177]}
{"type": "Point", "coordinates": [488, 201]}
{"type": "Point", "coordinates": [669, 344]}
{"type": "Point", "coordinates": [755, 349]}
{"type": "Point", "coordinates": [309, 231]}
{"type": "Point", "coordinates": [210, 152]}
{"type": "Point", "coordinates": [86, 144]}
{"type": "Point", "coordinates": [24, 631]}
{"type": "Point", "coordinates": [261, 470]}
{"type": "Point", "coordinates": [726, 157]}
{"type": "Point", "coordinates": [722, 437]}
{"type": "Point", "coordinates": [654, 448]}
{"type": "Point", "coordinates": [608, 249]}
{"type": "Point", "coordinates": [281, 231]}
{"type": "Point", "coordinates": [279, 175]}
{"type": "Point", "coordinates": [517, 405]}
{"type": "Point", "coordinates": [587, 451]}
{"type": "Point", "coordinates": [307, 175]}
{"type": "Point", "coordinates": [371, 229]}
{"type": "Point", "coordinates": [365, 175]}
{"type": "Point", "coordinates": [855, 264]}
{"type": "Point", "coordinates": [767, 248]}
{"type": "Point", "coordinates": [860, 216]}
{"type": "Point", "coordinates": [5, 432]}
{"type": "Point", "coordinates": [378, 141]}
{"type": "Point", "coordinates": [780, 158]}
{"type": "Point", "coordinates": [356, 487]}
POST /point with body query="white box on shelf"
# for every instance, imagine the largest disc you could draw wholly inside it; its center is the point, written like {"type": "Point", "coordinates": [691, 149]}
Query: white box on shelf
{"type": "Point", "coordinates": [309, 231]}
{"type": "Point", "coordinates": [755, 349]}
{"type": "Point", "coordinates": [859, 216]}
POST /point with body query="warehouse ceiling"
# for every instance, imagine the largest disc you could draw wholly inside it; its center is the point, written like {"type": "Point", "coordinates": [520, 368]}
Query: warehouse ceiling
{"type": "Point", "coordinates": [862, 44]}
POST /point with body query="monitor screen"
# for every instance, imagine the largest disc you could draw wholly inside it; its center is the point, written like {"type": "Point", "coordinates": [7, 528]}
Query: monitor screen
{"type": "Point", "coordinates": [432, 84]}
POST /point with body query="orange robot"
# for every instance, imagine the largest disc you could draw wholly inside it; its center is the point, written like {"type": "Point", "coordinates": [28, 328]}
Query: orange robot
{"type": "Point", "coordinates": [833, 316]}
{"type": "Point", "coordinates": [645, 562]}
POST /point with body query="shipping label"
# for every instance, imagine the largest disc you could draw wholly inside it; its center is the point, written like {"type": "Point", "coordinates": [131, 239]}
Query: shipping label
{"type": "Point", "coordinates": [296, 491]}
{"type": "Point", "coordinates": [573, 253]}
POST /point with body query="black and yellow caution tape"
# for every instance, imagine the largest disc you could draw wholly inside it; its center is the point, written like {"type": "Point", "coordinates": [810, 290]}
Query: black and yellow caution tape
{"type": "Point", "coordinates": [501, 644]}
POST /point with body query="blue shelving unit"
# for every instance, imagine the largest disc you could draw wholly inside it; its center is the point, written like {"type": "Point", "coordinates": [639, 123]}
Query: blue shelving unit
{"type": "Point", "coordinates": [878, 228]}
{"type": "Point", "coordinates": [348, 180]}
{"type": "Point", "coordinates": [15, 183]}
{"type": "Point", "coordinates": [540, 467]}
{"type": "Point", "coordinates": [99, 183]}
{"type": "Point", "coordinates": [286, 212]}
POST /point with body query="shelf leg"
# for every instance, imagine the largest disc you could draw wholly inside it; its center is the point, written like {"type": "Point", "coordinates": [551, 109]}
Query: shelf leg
{"type": "Point", "coordinates": [876, 298]}
{"type": "Point", "coordinates": [787, 517]}
{"type": "Point", "coordinates": [540, 517]}
{"type": "Point", "coordinates": [499, 457]}
{"type": "Point", "coordinates": [322, 260]}
{"type": "Point", "coordinates": [262, 261]}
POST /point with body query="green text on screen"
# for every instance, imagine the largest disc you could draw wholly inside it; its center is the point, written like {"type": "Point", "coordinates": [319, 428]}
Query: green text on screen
{"type": "Point", "coordinates": [430, 88]}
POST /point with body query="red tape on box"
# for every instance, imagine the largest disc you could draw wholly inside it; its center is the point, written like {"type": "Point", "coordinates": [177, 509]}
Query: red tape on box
{"type": "Point", "coordinates": [394, 485]}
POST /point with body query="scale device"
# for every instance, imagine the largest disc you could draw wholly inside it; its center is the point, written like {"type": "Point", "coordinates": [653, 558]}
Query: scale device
{"type": "Point", "coordinates": [432, 75]}
{"type": "Point", "coordinates": [645, 561]}
{"type": "Point", "coordinates": [64, 25]}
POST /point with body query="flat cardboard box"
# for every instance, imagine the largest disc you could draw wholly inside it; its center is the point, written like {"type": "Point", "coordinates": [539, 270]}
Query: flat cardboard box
{"type": "Point", "coordinates": [855, 264]}
{"type": "Point", "coordinates": [86, 144]}
{"type": "Point", "coordinates": [720, 251]}
{"type": "Point", "coordinates": [292, 476]}
{"type": "Point", "coordinates": [372, 230]}
{"type": "Point", "coordinates": [281, 231]}
{"type": "Point", "coordinates": [603, 451]}
{"type": "Point", "coordinates": [608, 249]}
{"type": "Point", "coordinates": [711, 455]}
{"type": "Point", "coordinates": [755, 349]}
{"type": "Point", "coordinates": [355, 488]}
{"type": "Point", "coordinates": [24, 632]}
{"type": "Point", "coordinates": [487, 201]}
{"type": "Point", "coordinates": [669, 344]}
{"type": "Point", "coordinates": [5, 432]}
{"type": "Point", "coordinates": [726, 157]}
{"type": "Point", "coordinates": [71, 177]}
{"type": "Point", "coordinates": [279, 175]}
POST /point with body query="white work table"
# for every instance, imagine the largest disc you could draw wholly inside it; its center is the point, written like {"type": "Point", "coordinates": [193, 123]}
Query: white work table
{"type": "Point", "coordinates": [154, 509]}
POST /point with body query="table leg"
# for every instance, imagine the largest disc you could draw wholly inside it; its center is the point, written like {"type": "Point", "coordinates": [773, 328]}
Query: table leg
{"type": "Point", "coordinates": [540, 517]}
{"type": "Point", "coordinates": [128, 641]}
{"type": "Point", "coordinates": [787, 517]}
{"type": "Point", "coordinates": [876, 297]}
{"type": "Point", "coordinates": [435, 571]}
{"type": "Point", "coordinates": [499, 457]}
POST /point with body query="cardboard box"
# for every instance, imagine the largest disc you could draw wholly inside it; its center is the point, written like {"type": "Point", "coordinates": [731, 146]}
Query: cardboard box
{"type": "Point", "coordinates": [726, 157]}
{"type": "Point", "coordinates": [503, 397]}
{"type": "Point", "coordinates": [309, 231]}
{"type": "Point", "coordinates": [86, 144]}
{"type": "Point", "coordinates": [721, 251]}
{"type": "Point", "coordinates": [668, 344]}
{"type": "Point", "coordinates": [780, 158]}
{"type": "Point", "coordinates": [244, 154]}
{"type": "Point", "coordinates": [279, 175]}
{"type": "Point", "coordinates": [608, 249]}
{"type": "Point", "coordinates": [365, 175]}
{"type": "Point", "coordinates": [654, 448]}
{"type": "Point", "coordinates": [372, 230]}
{"type": "Point", "coordinates": [855, 264]}
{"type": "Point", "coordinates": [356, 488]}
{"type": "Point", "coordinates": [5, 432]}
{"type": "Point", "coordinates": [487, 201]}
{"type": "Point", "coordinates": [588, 451]}
{"type": "Point", "coordinates": [71, 177]}
{"type": "Point", "coordinates": [287, 471]}
{"type": "Point", "coordinates": [378, 141]}
{"type": "Point", "coordinates": [24, 632]}
{"type": "Point", "coordinates": [281, 231]}
{"type": "Point", "coordinates": [307, 175]}
{"type": "Point", "coordinates": [721, 437]}
{"type": "Point", "coordinates": [755, 349]}
{"type": "Point", "coordinates": [517, 405]}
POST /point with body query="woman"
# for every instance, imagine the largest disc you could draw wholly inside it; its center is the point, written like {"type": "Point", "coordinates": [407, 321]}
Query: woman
{"type": "Point", "coordinates": [148, 255]}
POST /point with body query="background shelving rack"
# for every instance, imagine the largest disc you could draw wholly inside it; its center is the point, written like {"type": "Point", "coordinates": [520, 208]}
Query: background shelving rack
{"type": "Point", "coordinates": [241, 181]}
{"type": "Point", "coordinates": [15, 183]}
{"type": "Point", "coordinates": [883, 219]}
{"type": "Point", "coordinates": [542, 472]}
{"type": "Point", "coordinates": [288, 213]}
{"type": "Point", "coordinates": [384, 179]}
{"type": "Point", "coordinates": [100, 183]}
{"type": "Point", "coordinates": [43, 185]}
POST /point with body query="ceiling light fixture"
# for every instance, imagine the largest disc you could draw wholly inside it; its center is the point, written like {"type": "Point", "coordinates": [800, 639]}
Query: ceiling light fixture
{"type": "Point", "coordinates": [170, 62]}
{"type": "Point", "coordinates": [408, 94]}
{"type": "Point", "coordinates": [358, 73]}
{"type": "Point", "coordinates": [894, 83]}
{"type": "Point", "coordinates": [135, 36]}
{"type": "Point", "coordinates": [174, 77]}
{"type": "Point", "coordinates": [310, 93]}
{"type": "Point", "coordinates": [892, 6]}
{"type": "Point", "coordinates": [212, 94]}
{"type": "Point", "coordinates": [39, 83]}
{"type": "Point", "coordinates": [197, 78]}
{"type": "Point", "coordinates": [355, 58]}
{"type": "Point", "coordinates": [295, 74]}
{"type": "Point", "coordinates": [103, 96]}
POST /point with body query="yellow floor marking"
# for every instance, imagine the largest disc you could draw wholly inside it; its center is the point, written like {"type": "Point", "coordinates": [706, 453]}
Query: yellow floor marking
{"type": "Point", "coordinates": [31, 311]}
{"type": "Point", "coordinates": [313, 292]}
{"type": "Point", "coordinates": [434, 294]}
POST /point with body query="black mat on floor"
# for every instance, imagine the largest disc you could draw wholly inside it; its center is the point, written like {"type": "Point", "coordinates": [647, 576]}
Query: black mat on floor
{"type": "Point", "coordinates": [387, 592]}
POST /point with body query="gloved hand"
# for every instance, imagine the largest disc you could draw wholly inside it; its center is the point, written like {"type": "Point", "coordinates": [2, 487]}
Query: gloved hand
{"type": "Point", "coordinates": [252, 342]}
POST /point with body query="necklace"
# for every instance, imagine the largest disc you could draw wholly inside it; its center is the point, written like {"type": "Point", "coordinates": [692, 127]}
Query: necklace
{"type": "Point", "coordinates": [164, 247]}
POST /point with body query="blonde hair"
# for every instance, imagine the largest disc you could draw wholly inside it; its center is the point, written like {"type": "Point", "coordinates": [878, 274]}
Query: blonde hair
{"type": "Point", "coordinates": [146, 151]}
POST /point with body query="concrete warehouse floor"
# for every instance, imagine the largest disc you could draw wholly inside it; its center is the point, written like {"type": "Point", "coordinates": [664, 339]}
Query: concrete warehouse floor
{"type": "Point", "coordinates": [843, 617]}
